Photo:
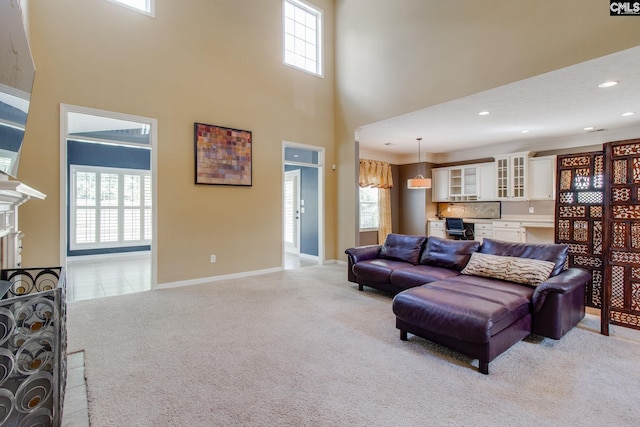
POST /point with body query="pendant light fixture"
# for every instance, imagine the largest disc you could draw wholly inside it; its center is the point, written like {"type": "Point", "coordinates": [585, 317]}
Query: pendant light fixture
{"type": "Point", "coordinates": [419, 182]}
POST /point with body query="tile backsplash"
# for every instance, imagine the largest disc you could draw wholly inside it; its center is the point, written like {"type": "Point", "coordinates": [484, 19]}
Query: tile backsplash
{"type": "Point", "coordinates": [488, 210]}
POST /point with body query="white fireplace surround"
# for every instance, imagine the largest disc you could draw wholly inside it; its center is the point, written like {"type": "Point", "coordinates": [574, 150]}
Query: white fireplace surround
{"type": "Point", "coordinates": [12, 194]}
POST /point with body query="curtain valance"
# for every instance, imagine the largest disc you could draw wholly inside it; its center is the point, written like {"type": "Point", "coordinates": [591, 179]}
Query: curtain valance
{"type": "Point", "coordinates": [374, 173]}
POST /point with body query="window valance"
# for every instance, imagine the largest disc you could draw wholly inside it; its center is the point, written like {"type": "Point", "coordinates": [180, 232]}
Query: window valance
{"type": "Point", "coordinates": [374, 173]}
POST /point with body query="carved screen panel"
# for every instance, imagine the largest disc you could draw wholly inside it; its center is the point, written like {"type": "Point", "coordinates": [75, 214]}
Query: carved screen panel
{"type": "Point", "coordinates": [579, 216]}
{"type": "Point", "coordinates": [622, 236]}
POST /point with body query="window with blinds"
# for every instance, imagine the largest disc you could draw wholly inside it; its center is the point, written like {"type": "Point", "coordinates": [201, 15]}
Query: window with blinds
{"type": "Point", "coordinates": [109, 207]}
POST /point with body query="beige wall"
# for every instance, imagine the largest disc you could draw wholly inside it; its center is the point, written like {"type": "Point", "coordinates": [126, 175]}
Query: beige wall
{"type": "Point", "coordinates": [394, 57]}
{"type": "Point", "coordinates": [217, 62]}
{"type": "Point", "coordinates": [220, 62]}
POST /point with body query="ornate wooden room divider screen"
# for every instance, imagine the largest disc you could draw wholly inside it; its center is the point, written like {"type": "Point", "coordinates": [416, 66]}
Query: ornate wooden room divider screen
{"type": "Point", "coordinates": [579, 214]}
{"type": "Point", "coordinates": [621, 299]}
{"type": "Point", "coordinates": [598, 216]}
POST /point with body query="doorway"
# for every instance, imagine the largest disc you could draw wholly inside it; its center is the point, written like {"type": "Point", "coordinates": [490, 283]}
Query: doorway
{"type": "Point", "coordinates": [302, 201]}
{"type": "Point", "coordinates": [292, 212]}
{"type": "Point", "coordinates": [108, 193]}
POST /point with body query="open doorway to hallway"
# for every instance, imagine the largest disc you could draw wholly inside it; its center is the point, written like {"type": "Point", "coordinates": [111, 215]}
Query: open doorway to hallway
{"type": "Point", "coordinates": [303, 237]}
{"type": "Point", "coordinates": [107, 202]}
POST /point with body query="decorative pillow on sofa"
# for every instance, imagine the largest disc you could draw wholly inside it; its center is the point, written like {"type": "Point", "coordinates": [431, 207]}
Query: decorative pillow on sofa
{"type": "Point", "coordinates": [448, 253]}
{"type": "Point", "coordinates": [402, 247]}
{"type": "Point", "coordinates": [556, 253]}
{"type": "Point", "coordinates": [519, 270]}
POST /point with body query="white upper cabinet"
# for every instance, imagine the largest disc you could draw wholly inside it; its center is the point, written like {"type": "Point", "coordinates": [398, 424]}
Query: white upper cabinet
{"type": "Point", "coordinates": [511, 176]}
{"type": "Point", "coordinates": [542, 178]}
{"type": "Point", "coordinates": [440, 185]}
{"type": "Point", "coordinates": [487, 181]}
{"type": "Point", "coordinates": [464, 183]}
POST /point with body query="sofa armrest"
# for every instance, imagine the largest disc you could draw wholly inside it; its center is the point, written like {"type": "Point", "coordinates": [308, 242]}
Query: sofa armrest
{"type": "Point", "coordinates": [565, 282]}
{"type": "Point", "coordinates": [363, 253]}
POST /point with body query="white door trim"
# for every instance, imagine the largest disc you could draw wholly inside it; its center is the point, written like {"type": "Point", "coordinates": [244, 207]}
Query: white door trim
{"type": "Point", "coordinates": [65, 109]}
{"type": "Point", "coordinates": [321, 192]}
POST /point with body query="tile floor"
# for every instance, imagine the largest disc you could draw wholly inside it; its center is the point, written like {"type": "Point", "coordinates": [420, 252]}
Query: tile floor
{"type": "Point", "coordinates": [76, 408]}
{"type": "Point", "coordinates": [109, 275]}
{"type": "Point", "coordinates": [296, 261]}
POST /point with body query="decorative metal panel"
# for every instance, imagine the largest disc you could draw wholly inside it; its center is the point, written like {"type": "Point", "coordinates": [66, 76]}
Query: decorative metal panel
{"type": "Point", "coordinates": [579, 216]}
{"type": "Point", "coordinates": [33, 343]}
{"type": "Point", "coordinates": [622, 233]}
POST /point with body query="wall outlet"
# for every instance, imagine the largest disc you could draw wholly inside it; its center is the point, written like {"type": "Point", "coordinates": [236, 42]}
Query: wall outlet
{"type": "Point", "coordinates": [531, 209]}
{"type": "Point", "coordinates": [213, 259]}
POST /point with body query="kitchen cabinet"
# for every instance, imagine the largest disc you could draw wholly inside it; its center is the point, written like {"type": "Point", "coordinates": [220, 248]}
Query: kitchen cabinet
{"type": "Point", "coordinates": [454, 184]}
{"type": "Point", "coordinates": [437, 229]}
{"type": "Point", "coordinates": [486, 181]}
{"type": "Point", "coordinates": [463, 183]}
{"type": "Point", "coordinates": [440, 185]}
{"type": "Point", "coordinates": [542, 178]}
{"type": "Point", "coordinates": [511, 176]}
{"type": "Point", "coordinates": [509, 231]}
{"type": "Point", "coordinates": [482, 230]}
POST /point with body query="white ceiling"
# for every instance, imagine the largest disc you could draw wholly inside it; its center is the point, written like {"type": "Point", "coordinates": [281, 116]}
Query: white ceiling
{"type": "Point", "coordinates": [556, 104]}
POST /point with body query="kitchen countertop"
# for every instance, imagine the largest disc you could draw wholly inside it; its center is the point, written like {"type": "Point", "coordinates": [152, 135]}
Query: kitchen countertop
{"type": "Point", "coordinates": [541, 221]}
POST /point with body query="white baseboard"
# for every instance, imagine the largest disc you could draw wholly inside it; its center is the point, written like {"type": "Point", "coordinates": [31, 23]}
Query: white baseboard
{"type": "Point", "coordinates": [216, 278]}
{"type": "Point", "coordinates": [242, 275]}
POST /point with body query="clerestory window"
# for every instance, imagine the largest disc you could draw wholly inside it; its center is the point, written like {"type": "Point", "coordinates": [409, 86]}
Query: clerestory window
{"type": "Point", "coordinates": [145, 6]}
{"type": "Point", "coordinates": [303, 36]}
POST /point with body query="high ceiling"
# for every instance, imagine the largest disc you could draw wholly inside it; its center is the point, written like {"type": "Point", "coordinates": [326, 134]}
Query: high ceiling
{"type": "Point", "coordinates": [561, 103]}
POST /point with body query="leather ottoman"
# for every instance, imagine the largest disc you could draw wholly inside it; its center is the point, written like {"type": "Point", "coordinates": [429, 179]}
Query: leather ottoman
{"type": "Point", "coordinates": [481, 322]}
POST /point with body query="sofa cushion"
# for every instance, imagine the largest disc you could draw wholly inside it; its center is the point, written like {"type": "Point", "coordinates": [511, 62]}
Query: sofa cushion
{"type": "Point", "coordinates": [376, 271]}
{"type": "Point", "coordinates": [459, 310]}
{"type": "Point", "coordinates": [555, 253]}
{"type": "Point", "coordinates": [403, 247]}
{"type": "Point", "coordinates": [490, 283]}
{"type": "Point", "coordinates": [416, 275]}
{"type": "Point", "coordinates": [448, 253]}
{"type": "Point", "coordinates": [512, 269]}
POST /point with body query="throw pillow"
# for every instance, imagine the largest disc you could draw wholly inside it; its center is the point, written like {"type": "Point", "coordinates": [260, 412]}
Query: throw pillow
{"type": "Point", "coordinates": [556, 253]}
{"type": "Point", "coordinates": [402, 247]}
{"type": "Point", "coordinates": [519, 270]}
{"type": "Point", "coordinates": [448, 253]}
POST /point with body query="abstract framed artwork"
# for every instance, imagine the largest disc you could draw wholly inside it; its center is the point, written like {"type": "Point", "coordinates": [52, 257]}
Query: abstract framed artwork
{"type": "Point", "coordinates": [223, 155]}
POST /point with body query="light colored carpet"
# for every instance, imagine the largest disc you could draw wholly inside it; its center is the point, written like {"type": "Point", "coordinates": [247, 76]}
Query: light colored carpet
{"type": "Point", "coordinates": [306, 348]}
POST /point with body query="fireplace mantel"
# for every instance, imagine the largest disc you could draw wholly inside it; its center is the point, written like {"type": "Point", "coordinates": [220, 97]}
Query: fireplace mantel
{"type": "Point", "coordinates": [15, 193]}
{"type": "Point", "coordinates": [12, 194]}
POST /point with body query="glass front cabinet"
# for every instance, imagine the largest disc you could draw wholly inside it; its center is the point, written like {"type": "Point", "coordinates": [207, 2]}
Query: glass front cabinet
{"type": "Point", "coordinates": [511, 176]}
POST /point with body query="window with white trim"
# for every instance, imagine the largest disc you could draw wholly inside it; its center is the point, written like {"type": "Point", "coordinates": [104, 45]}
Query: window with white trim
{"type": "Point", "coordinates": [145, 6]}
{"type": "Point", "coordinates": [369, 208]}
{"type": "Point", "coordinates": [303, 36]}
{"type": "Point", "coordinates": [110, 207]}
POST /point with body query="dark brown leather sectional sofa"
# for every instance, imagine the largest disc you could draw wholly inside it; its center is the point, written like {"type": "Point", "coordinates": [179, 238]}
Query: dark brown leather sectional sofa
{"type": "Point", "coordinates": [477, 316]}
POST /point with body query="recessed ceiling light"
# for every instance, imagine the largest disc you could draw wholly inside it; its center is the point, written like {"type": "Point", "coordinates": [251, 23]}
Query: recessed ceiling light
{"type": "Point", "coordinates": [524, 131]}
{"type": "Point", "coordinates": [483, 113]}
{"type": "Point", "coordinates": [589, 128]}
{"type": "Point", "coordinates": [629, 113]}
{"type": "Point", "coordinates": [608, 84]}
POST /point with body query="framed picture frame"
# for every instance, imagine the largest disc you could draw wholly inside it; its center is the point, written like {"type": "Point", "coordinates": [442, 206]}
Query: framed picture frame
{"type": "Point", "coordinates": [223, 155]}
